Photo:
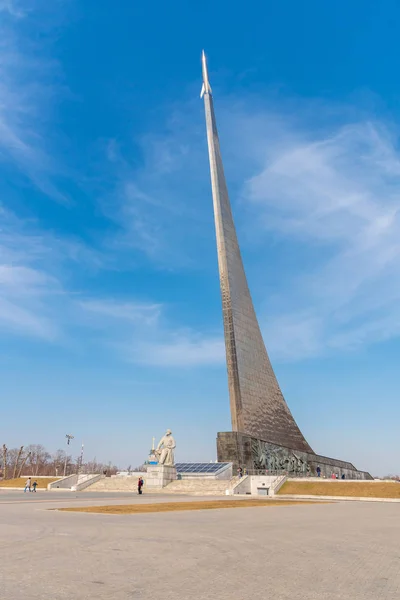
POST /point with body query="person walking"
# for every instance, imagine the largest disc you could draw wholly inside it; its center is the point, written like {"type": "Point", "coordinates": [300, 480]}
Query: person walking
{"type": "Point", "coordinates": [28, 485]}
{"type": "Point", "coordinates": [140, 485]}
{"type": "Point", "coordinates": [34, 485]}
{"type": "Point", "coordinates": [318, 471]}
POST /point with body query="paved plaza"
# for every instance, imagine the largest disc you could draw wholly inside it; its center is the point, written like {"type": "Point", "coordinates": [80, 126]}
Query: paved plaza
{"type": "Point", "coordinates": [317, 551]}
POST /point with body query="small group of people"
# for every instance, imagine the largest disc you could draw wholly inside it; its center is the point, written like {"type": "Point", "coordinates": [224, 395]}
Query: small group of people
{"type": "Point", "coordinates": [29, 486]}
{"type": "Point", "coordinates": [336, 476]}
{"type": "Point", "coordinates": [140, 485]}
{"type": "Point", "coordinates": [333, 476]}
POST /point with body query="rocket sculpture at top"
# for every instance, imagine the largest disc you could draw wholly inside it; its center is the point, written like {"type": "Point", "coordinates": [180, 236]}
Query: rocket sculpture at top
{"type": "Point", "coordinates": [206, 87]}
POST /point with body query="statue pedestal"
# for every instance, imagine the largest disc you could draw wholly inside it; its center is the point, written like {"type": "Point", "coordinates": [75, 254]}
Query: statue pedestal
{"type": "Point", "coordinates": [158, 476]}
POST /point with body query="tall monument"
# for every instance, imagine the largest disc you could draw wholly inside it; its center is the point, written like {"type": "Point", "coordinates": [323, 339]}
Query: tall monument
{"type": "Point", "coordinates": [263, 428]}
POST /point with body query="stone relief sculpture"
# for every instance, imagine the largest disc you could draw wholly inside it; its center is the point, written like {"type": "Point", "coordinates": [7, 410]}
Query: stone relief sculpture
{"type": "Point", "coordinates": [276, 458]}
{"type": "Point", "coordinates": [259, 452]}
{"type": "Point", "coordinates": [165, 450]}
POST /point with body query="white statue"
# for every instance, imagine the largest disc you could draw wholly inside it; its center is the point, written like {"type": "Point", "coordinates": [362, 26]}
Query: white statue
{"type": "Point", "coordinates": [165, 450]}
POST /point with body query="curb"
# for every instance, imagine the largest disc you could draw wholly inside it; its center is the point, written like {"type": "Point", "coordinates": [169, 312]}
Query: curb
{"type": "Point", "coordinates": [337, 498]}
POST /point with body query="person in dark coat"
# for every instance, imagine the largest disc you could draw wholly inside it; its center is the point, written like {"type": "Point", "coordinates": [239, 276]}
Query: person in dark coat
{"type": "Point", "coordinates": [140, 485]}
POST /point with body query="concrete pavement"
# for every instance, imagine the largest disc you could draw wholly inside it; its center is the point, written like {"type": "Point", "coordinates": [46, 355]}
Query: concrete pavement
{"type": "Point", "coordinates": [304, 552]}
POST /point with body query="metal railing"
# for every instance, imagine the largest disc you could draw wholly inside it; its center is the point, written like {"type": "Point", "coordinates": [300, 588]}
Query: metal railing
{"type": "Point", "coordinates": [275, 473]}
{"type": "Point", "coordinates": [262, 472]}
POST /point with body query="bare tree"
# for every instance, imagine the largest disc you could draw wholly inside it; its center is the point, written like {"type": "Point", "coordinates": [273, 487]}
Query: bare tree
{"type": "Point", "coordinates": [38, 459]}
{"type": "Point", "coordinates": [392, 477]}
{"type": "Point", "coordinates": [93, 466]}
{"type": "Point", "coordinates": [16, 462]}
{"type": "Point", "coordinates": [59, 460]}
{"type": "Point", "coordinates": [4, 461]}
{"type": "Point", "coordinates": [140, 469]}
{"type": "Point", "coordinates": [23, 463]}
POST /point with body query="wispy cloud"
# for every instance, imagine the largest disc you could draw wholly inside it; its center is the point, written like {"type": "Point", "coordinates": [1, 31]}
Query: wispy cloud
{"type": "Point", "coordinates": [325, 193]}
{"type": "Point", "coordinates": [35, 295]}
{"type": "Point", "coordinates": [147, 314]}
{"type": "Point", "coordinates": [26, 322]}
{"type": "Point", "coordinates": [142, 334]}
{"type": "Point", "coordinates": [158, 200]}
{"type": "Point", "coordinates": [12, 7]}
{"type": "Point", "coordinates": [182, 350]}
{"type": "Point", "coordinates": [324, 189]}
{"type": "Point", "coordinates": [336, 199]}
{"type": "Point", "coordinates": [39, 299]}
{"type": "Point", "coordinates": [28, 85]}
{"type": "Point", "coordinates": [22, 279]}
{"type": "Point", "coordinates": [23, 309]}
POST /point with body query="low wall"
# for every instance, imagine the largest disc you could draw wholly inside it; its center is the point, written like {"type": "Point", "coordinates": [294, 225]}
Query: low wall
{"type": "Point", "coordinates": [64, 484]}
{"type": "Point", "coordinates": [131, 475]}
{"type": "Point", "coordinates": [252, 484]}
{"type": "Point", "coordinates": [259, 483]}
{"type": "Point", "coordinates": [331, 480]}
{"type": "Point", "coordinates": [39, 476]}
{"type": "Point", "coordinates": [75, 482]}
{"type": "Point", "coordinates": [85, 481]}
{"type": "Point", "coordinates": [243, 486]}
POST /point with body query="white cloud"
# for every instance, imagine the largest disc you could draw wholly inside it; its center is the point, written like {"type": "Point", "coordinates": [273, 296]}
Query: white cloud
{"type": "Point", "coordinates": [21, 278]}
{"type": "Point", "coordinates": [147, 314]}
{"type": "Point", "coordinates": [326, 189]}
{"type": "Point", "coordinates": [26, 322]}
{"type": "Point", "coordinates": [27, 90]}
{"type": "Point", "coordinates": [22, 306]}
{"type": "Point", "coordinates": [157, 201]}
{"type": "Point", "coordinates": [34, 300]}
{"type": "Point", "coordinates": [338, 197]}
{"type": "Point", "coordinates": [142, 334]}
{"type": "Point", "coordinates": [329, 194]}
{"type": "Point", "coordinates": [182, 350]}
{"type": "Point", "coordinates": [12, 7]}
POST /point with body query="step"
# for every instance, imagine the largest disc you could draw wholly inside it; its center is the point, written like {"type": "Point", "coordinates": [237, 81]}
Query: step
{"type": "Point", "coordinates": [181, 486]}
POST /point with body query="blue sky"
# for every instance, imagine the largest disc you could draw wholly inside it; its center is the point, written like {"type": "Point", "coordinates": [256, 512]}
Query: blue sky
{"type": "Point", "coordinates": [110, 317]}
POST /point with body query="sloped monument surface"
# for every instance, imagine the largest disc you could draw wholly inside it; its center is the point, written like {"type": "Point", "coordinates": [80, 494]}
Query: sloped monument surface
{"type": "Point", "coordinates": [264, 432]}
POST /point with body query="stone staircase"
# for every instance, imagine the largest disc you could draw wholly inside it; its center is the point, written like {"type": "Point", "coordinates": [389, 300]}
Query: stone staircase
{"type": "Point", "coordinates": [199, 486]}
{"type": "Point", "coordinates": [114, 484]}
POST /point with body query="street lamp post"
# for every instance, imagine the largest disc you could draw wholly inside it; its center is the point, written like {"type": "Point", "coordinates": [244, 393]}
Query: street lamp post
{"type": "Point", "coordinates": [80, 462]}
{"type": "Point", "coordinates": [69, 438]}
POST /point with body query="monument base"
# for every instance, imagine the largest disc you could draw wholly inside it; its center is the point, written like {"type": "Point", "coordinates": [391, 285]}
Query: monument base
{"type": "Point", "coordinates": [259, 455]}
{"type": "Point", "coordinates": [158, 476]}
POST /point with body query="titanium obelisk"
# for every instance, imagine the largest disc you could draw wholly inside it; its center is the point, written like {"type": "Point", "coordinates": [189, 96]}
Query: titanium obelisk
{"type": "Point", "coordinates": [265, 434]}
{"type": "Point", "coordinates": [258, 407]}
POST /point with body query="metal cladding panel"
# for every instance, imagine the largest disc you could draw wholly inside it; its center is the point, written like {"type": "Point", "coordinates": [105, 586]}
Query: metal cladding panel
{"type": "Point", "coordinates": [258, 407]}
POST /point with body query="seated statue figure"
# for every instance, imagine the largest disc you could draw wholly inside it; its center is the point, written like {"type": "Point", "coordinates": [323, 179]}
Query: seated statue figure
{"type": "Point", "coordinates": [165, 449]}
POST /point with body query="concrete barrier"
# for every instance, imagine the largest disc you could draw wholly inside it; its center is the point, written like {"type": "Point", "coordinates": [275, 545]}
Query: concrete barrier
{"type": "Point", "coordinates": [243, 486]}
{"type": "Point", "coordinates": [74, 482]}
{"type": "Point", "coordinates": [85, 481]}
{"type": "Point", "coordinates": [336, 498]}
{"type": "Point", "coordinates": [64, 484]}
{"type": "Point", "coordinates": [256, 484]}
